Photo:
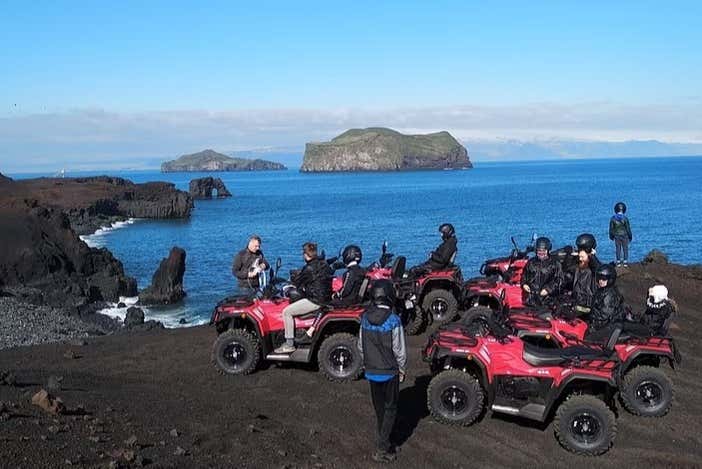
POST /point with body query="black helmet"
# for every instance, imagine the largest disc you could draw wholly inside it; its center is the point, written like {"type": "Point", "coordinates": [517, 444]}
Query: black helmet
{"type": "Point", "coordinates": [447, 231]}
{"type": "Point", "coordinates": [383, 292]}
{"type": "Point", "coordinates": [351, 253]}
{"type": "Point", "coordinates": [620, 207]}
{"type": "Point", "coordinates": [585, 242]}
{"type": "Point", "coordinates": [542, 243]}
{"type": "Point", "coordinates": [606, 272]}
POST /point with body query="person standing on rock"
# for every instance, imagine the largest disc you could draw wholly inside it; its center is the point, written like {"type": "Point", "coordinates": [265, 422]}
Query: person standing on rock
{"type": "Point", "coordinates": [620, 233]}
{"type": "Point", "coordinates": [381, 341]}
{"type": "Point", "coordinates": [248, 264]}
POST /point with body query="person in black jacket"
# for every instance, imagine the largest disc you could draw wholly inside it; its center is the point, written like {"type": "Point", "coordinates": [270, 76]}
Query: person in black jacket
{"type": "Point", "coordinates": [584, 274]}
{"type": "Point", "coordinates": [248, 264]}
{"type": "Point", "coordinates": [443, 256]}
{"type": "Point", "coordinates": [607, 303]}
{"type": "Point", "coordinates": [314, 282]}
{"type": "Point", "coordinates": [620, 233]}
{"type": "Point", "coordinates": [352, 279]}
{"type": "Point", "coordinates": [542, 275]}
{"type": "Point", "coordinates": [381, 341]}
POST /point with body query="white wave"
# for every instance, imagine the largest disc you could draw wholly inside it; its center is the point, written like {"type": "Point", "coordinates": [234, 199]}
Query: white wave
{"type": "Point", "coordinates": [97, 239]}
{"type": "Point", "coordinates": [170, 317]}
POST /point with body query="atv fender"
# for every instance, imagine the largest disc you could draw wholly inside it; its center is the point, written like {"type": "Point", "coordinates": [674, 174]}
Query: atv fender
{"type": "Point", "coordinates": [673, 357]}
{"type": "Point", "coordinates": [558, 393]}
{"type": "Point", "coordinates": [241, 319]}
{"type": "Point", "coordinates": [329, 326]}
{"type": "Point", "coordinates": [461, 360]}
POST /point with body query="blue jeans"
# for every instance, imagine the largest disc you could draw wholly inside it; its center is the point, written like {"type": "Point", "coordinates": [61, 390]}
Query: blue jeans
{"type": "Point", "coordinates": [622, 247]}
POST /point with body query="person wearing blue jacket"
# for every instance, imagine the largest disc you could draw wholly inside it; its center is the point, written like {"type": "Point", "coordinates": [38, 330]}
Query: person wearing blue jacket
{"type": "Point", "coordinates": [381, 341]}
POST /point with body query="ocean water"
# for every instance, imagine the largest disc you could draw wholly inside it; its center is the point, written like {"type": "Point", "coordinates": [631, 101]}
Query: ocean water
{"type": "Point", "coordinates": [487, 205]}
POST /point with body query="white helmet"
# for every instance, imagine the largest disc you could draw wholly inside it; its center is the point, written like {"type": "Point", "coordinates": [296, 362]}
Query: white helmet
{"type": "Point", "coordinates": [658, 293]}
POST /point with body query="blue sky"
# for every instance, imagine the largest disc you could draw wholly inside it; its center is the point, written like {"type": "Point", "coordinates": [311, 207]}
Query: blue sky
{"type": "Point", "coordinates": [170, 61]}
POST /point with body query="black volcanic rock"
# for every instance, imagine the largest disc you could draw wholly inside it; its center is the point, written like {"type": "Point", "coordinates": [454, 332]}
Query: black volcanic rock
{"type": "Point", "coordinates": [44, 261]}
{"type": "Point", "coordinates": [381, 149]}
{"type": "Point", "coordinates": [167, 283]}
{"type": "Point", "coordinates": [202, 188]}
{"type": "Point", "coordinates": [4, 179]}
{"type": "Point", "coordinates": [210, 160]}
{"type": "Point", "coordinates": [94, 202]}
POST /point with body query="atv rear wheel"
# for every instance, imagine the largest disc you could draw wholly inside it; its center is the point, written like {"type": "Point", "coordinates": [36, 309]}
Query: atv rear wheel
{"type": "Point", "coordinates": [339, 358]}
{"type": "Point", "coordinates": [585, 425]}
{"type": "Point", "coordinates": [236, 352]}
{"type": "Point", "coordinates": [440, 305]}
{"type": "Point", "coordinates": [647, 391]}
{"type": "Point", "coordinates": [455, 398]}
{"type": "Point", "coordinates": [415, 321]}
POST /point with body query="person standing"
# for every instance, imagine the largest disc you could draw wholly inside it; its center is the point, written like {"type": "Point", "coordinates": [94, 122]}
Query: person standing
{"type": "Point", "coordinates": [381, 341]}
{"type": "Point", "coordinates": [620, 233]}
{"type": "Point", "coordinates": [248, 264]}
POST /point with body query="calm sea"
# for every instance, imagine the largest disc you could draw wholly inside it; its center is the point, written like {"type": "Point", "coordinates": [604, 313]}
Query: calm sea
{"type": "Point", "coordinates": [487, 205]}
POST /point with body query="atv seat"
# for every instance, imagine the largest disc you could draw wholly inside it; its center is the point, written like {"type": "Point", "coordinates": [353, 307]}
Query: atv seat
{"type": "Point", "coordinates": [398, 267]}
{"type": "Point", "coordinates": [539, 356]}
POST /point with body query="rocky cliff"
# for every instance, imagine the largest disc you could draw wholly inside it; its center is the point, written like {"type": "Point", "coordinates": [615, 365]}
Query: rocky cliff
{"type": "Point", "coordinates": [93, 202]}
{"type": "Point", "coordinates": [43, 260]}
{"type": "Point", "coordinates": [380, 149]}
{"type": "Point", "coordinates": [210, 160]}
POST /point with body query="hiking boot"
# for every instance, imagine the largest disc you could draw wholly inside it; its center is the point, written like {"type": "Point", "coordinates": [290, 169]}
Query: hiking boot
{"type": "Point", "coordinates": [285, 348]}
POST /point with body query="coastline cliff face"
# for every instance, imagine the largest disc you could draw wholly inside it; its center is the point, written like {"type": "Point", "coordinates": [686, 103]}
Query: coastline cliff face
{"type": "Point", "coordinates": [210, 160]}
{"type": "Point", "coordinates": [380, 149]}
{"type": "Point", "coordinates": [43, 259]}
{"type": "Point", "coordinates": [93, 202]}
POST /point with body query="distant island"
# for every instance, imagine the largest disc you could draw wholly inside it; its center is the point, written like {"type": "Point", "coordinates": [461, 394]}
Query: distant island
{"type": "Point", "coordinates": [381, 149]}
{"type": "Point", "coordinates": [210, 160]}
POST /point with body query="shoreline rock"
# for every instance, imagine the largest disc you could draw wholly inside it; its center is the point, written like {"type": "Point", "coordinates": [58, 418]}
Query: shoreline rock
{"type": "Point", "coordinates": [202, 188]}
{"type": "Point", "coordinates": [167, 282]}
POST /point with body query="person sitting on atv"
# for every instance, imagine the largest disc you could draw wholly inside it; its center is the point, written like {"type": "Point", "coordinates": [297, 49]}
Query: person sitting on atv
{"type": "Point", "coordinates": [352, 278]}
{"type": "Point", "coordinates": [248, 264]}
{"type": "Point", "coordinates": [658, 309]}
{"type": "Point", "coordinates": [607, 306]}
{"type": "Point", "coordinates": [442, 257]}
{"type": "Point", "coordinates": [542, 275]}
{"type": "Point", "coordinates": [314, 282]}
{"type": "Point", "coordinates": [584, 275]}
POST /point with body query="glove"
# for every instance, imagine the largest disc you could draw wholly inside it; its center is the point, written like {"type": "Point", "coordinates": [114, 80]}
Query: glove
{"type": "Point", "coordinates": [402, 376]}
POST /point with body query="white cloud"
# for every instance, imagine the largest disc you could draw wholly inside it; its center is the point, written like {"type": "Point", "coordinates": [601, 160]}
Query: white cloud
{"type": "Point", "coordinates": [99, 138]}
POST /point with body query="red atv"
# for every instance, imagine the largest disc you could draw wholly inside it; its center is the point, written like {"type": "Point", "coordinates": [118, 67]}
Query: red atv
{"type": "Point", "coordinates": [645, 389]}
{"type": "Point", "coordinates": [475, 370]}
{"type": "Point", "coordinates": [251, 328]}
{"type": "Point", "coordinates": [502, 274]}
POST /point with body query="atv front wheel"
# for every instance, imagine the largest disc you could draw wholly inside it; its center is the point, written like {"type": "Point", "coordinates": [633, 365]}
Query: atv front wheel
{"type": "Point", "coordinates": [455, 398]}
{"type": "Point", "coordinates": [647, 391]}
{"type": "Point", "coordinates": [585, 425]}
{"type": "Point", "coordinates": [339, 358]}
{"type": "Point", "coordinates": [236, 352]}
{"type": "Point", "coordinates": [440, 305]}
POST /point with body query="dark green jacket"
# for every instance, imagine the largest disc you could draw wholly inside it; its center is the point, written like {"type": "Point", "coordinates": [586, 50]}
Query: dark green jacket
{"type": "Point", "coordinates": [619, 228]}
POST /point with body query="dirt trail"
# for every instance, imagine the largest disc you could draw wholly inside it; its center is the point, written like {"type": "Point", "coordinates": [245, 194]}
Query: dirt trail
{"type": "Point", "coordinates": [289, 416]}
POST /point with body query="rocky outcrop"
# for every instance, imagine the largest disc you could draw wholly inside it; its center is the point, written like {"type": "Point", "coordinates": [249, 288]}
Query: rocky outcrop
{"type": "Point", "coordinates": [93, 202]}
{"type": "Point", "coordinates": [44, 261]}
{"type": "Point", "coordinates": [4, 179]}
{"type": "Point", "coordinates": [167, 283]}
{"type": "Point", "coordinates": [655, 257]}
{"type": "Point", "coordinates": [210, 160]}
{"type": "Point", "coordinates": [380, 149]}
{"type": "Point", "coordinates": [202, 188]}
